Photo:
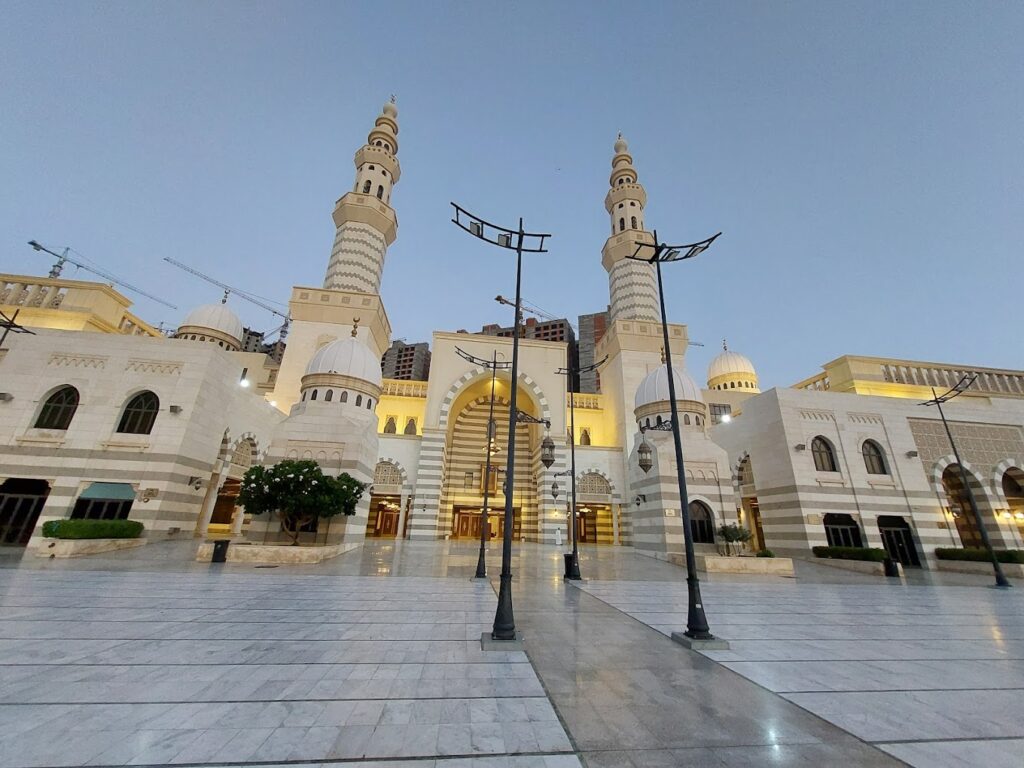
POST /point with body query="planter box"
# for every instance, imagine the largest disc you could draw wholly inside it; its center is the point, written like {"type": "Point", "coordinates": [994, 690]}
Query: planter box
{"type": "Point", "coordinates": [766, 566]}
{"type": "Point", "coordinates": [82, 547]}
{"type": "Point", "coordinates": [984, 569]}
{"type": "Point", "coordinates": [859, 566]}
{"type": "Point", "coordinates": [276, 554]}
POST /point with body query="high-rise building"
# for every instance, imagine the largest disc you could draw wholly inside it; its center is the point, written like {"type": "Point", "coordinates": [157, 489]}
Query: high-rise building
{"type": "Point", "coordinates": [410, 362]}
{"type": "Point", "coordinates": [542, 330]}
{"type": "Point", "coordinates": [591, 329]}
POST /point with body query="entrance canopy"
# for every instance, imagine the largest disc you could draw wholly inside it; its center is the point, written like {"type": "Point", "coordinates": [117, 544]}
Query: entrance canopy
{"type": "Point", "coordinates": [111, 491]}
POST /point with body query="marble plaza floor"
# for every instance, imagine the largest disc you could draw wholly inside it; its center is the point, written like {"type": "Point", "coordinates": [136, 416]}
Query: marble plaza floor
{"type": "Point", "coordinates": [373, 660]}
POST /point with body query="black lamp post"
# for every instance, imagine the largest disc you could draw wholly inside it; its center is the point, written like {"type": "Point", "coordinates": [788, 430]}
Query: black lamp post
{"type": "Point", "coordinates": [937, 401]}
{"type": "Point", "coordinates": [494, 365]}
{"type": "Point", "coordinates": [572, 565]}
{"type": "Point", "coordinates": [696, 621]}
{"type": "Point", "coordinates": [520, 241]}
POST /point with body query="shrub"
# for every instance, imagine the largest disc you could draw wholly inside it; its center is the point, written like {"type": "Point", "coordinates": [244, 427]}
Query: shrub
{"type": "Point", "coordinates": [851, 553]}
{"type": "Point", "coordinates": [765, 553]}
{"type": "Point", "coordinates": [92, 529]}
{"type": "Point", "coordinates": [733, 533]}
{"type": "Point", "coordinates": [980, 555]}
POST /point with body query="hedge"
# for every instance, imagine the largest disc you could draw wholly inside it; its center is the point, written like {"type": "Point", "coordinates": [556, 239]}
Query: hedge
{"type": "Point", "coordinates": [851, 553]}
{"type": "Point", "coordinates": [92, 529]}
{"type": "Point", "coordinates": [980, 555]}
{"type": "Point", "coordinates": [765, 553]}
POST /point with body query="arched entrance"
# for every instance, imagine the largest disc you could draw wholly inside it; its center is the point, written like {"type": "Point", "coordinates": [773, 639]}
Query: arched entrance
{"type": "Point", "coordinates": [750, 510]}
{"type": "Point", "coordinates": [594, 521]}
{"type": "Point", "coordinates": [842, 530]}
{"type": "Point", "coordinates": [960, 506]}
{"type": "Point", "coordinates": [898, 540]}
{"type": "Point", "coordinates": [21, 501]}
{"type": "Point", "coordinates": [385, 501]}
{"type": "Point", "coordinates": [1013, 490]}
{"type": "Point", "coordinates": [702, 523]}
{"type": "Point", "coordinates": [225, 507]}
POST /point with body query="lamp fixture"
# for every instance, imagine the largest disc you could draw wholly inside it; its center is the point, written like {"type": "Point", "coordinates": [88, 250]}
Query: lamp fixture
{"type": "Point", "coordinates": [912, 454]}
{"type": "Point", "coordinates": [800, 447]}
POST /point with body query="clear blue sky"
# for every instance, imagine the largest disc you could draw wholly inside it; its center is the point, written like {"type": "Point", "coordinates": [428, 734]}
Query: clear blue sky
{"type": "Point", "coordinates": [864, 160]}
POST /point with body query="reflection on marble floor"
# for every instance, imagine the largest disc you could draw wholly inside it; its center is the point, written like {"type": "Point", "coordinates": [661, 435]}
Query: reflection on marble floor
{"type": "Point", "coordinates": [934, 675]}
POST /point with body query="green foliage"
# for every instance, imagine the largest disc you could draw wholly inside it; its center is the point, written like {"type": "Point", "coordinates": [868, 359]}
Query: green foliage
{"type": "Point", "coordinates": [871, 554]}
{"type": "Point", "coordinates": [298, 492]}
{"type": "Point", "coordinates": [92, 529]}
{"type": "Point", "coordinates": [733, 533]}
{"type": "Point", "coordinates": [980, 555]}
{"type": "Point", "coordinates": [765, 553]}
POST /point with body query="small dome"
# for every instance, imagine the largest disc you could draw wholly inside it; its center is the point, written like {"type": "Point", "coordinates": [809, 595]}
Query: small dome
{"type": "Point", "coordinates": [620, 145]}
{"type": "Point", "coordinates": [390, 109]}
{"type": "Point", "coordinates": [730, 363]}
{"type": "Point", "coordinates": [349, 357]}
{"type": "Point", "coordinates": [216, 317]}
{"type": "Point", "coordinates": [654, 388]}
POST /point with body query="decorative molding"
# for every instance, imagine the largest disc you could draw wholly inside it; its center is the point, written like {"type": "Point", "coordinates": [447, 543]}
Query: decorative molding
{"type": "Point", "coordinates": [69, 360]}
{"type": "Point", "coordinates": [162, 367]}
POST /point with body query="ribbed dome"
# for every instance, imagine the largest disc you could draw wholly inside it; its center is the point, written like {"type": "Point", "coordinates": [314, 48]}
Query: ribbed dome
{"type": "Point", "coordinates": [654, 388]}
{"type": "Point", "coordinates": [730, 363]}
{"type": "Point", "coordinates": [217, 317]}
{"type": "Point", "coordinates": [349, 357]}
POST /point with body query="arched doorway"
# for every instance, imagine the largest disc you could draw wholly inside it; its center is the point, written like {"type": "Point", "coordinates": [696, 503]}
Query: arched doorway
{"type": "Point", "coordinates": [1013, 490]}
{"type": "Point", "coordinates": [21, 501]}
{"type": "Point", "coordinates": [750, 510]}
{"type": "Point", "coordinates": [702, 523]}
{"type": "Point", "coordinates": [385, 501]}
{"type": "Point", "coordinates": [960, 505]}
{"type": "Point", "coordinates": [898, 540]}
{"type": "Point", "coordinates": [595, 524]}
{"type": "Point", "coordinates": [225, 507]}
{"type": "Point", "coordinates": [842, 530]}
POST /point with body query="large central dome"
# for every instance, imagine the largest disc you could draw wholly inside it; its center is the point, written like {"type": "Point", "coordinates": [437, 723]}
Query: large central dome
{"type": "Point", "coordinates": [347, 357]}
{"type": "Point", "coordinates": [654, 387]}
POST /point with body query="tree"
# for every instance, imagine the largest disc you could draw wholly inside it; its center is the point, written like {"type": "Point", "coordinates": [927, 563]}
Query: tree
{"type": "Point", "coordinates": [299, 492]}
{"type": "Point", "coordinates": [733, 533]}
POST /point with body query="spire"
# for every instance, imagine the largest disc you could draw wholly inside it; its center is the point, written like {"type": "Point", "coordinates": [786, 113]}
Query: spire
{"type": "Point", "coordinates": [725, 347]}
{"type": "Point", "coordinates": [385, 128]}
{"type": "Point", "coordinates": [355, 326]}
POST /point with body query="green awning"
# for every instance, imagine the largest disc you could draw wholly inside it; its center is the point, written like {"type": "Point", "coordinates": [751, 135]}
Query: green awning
{"type": "Point", "coordinates": [109, 491]}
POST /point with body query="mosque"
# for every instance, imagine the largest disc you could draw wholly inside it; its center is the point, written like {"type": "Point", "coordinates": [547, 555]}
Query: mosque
{"type": "Point", "coordinates": [102, 416]}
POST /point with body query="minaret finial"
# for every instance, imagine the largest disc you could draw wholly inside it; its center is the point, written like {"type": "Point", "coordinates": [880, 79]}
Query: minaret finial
{"type": "Point", "coordinates": [393, 99]}
{"type": "Point", "coordinates": [355, 327]}
{"type": "Point", "coordinates": [725, 347]}
{"type": "Point", "coordinates": [224, 298]}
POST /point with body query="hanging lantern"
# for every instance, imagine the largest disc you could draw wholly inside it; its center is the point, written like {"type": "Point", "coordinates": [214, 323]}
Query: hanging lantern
{"type": "Point", "coordinates": [555, 488]}
{"type": "Point", "coordinates": [547, 451]}
{"type": "Point", "coordinates": [644, 452]}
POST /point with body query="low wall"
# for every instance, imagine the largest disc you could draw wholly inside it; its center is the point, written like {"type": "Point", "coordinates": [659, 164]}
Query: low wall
{"type": "Point", "coordinates": [859, 566]}
{"type": "Point", "coordinates": [985, 569]}
{"type": "Point", "coordinates": [277, 554]}
{"type": "Point", "coordinates": [769, 566]}
{"type": "Point", "coordinates": [83, 547]}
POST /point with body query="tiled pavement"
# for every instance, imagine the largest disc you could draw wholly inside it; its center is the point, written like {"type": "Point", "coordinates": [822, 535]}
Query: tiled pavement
{"type": "Point", "coordinates": [373, 661]}
{"type": "Point", "coordinates": [933, 675]}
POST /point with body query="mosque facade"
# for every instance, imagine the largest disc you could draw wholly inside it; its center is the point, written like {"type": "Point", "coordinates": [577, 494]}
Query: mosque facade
{"type": "Point", "coordinates": [103, 416]}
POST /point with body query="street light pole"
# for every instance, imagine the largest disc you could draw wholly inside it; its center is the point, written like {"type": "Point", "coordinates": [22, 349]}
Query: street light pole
{"type": "Point", "coordinates": [696, 620]}
{"type": "Point", "coordinates": [504, 627]}
{"type": "Point", "coordinates": [937, 401]}
{"type": "Point", "coordinates": [494, 365]}
{"type": "Point", "coordinates": [572, 567]}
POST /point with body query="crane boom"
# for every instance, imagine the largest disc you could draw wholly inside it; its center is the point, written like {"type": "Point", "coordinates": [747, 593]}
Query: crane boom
{"type": "Point", "coordinates": [64, 258]}
{"type": "Point", "coordinates": [227, 288]}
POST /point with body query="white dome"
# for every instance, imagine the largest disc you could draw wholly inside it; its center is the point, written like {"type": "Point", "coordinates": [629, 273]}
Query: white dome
{"type": "Point", "coordinates": [349, 357]}
{"type": "Point", "coordinates": [654, 388]}
{"type": "Point", "coordinates": [730, 363]}
{"type": "Point", "coordinates": [216, 317]}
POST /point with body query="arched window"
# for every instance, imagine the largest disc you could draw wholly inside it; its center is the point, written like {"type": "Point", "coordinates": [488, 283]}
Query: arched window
{"type": "Point", "coordinates": [366, 187]}
{"type": "Point", "coordinates": [344, 396]}
{"type": "Point", "coordinates": [701, 523]}
{"type": "Point", "coordinates": [698, 420]}
{"type": "Point", "coordinates": [359, 400]}
{"type": "Point", "coordinates": [380, 192]}
{"type": "Point", "coordinates": [824, 456]}
{"type": "Point", "coordinates": [686, 419]}
{"type": "Point", "coordinates": [303, 397]}
{"type": "Point", "coordinates": [329, 396]}
{"type": "Point", "coordinates": [312, 395]}
{"type": "Point", "coordinates": [369, 404]}
{"type": "Point", "coordinates": [139, 414]}
{"type": "Point", "coordinates": [410, 427]}
{"type": "Point", "coordinates": [874, 459]}
{"type": "Point", "coordinates": [585, 437]}
{"type": "Point", "coordinates": [632, 221]}
{"type": "Point", "coordinates": [657, 420]}
{"type": "Point", "coordinates": [390, 427]}
{"type": "Point", "coordinates": [622, 225]}
{"type": "Point", "coordinates": [59, 409]}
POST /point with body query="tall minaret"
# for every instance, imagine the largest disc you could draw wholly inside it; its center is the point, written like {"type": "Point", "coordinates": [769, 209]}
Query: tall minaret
{"type": "Point", "coordinates": [366, 222]}
{"type": "Point", "coordinates": [632, 285]}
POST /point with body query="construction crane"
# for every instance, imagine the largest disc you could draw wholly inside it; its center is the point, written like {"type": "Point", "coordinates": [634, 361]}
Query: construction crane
{"type": "Point", "coordinates": [228, 290]}
{"type": "Point", "coordinates": [533, 309]}
{"type": "Point", "coordinates": [63, 258]}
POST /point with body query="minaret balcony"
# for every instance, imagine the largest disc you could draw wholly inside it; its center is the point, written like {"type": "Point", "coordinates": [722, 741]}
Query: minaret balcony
{"type": "Point", "coordinates": [622, 245]}
{"type": "Point", "coordinates": [369, 154]}
{"type": "Point", "coordinates": [624, 192]}
{"type": "Point", "coordinates": [367, 209]}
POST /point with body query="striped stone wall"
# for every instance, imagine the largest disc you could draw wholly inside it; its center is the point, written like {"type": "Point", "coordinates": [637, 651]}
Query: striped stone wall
{"type": "Point", "coordinates": [634, 291]}
{"type": "Point", "coordinates": [357, 259]}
